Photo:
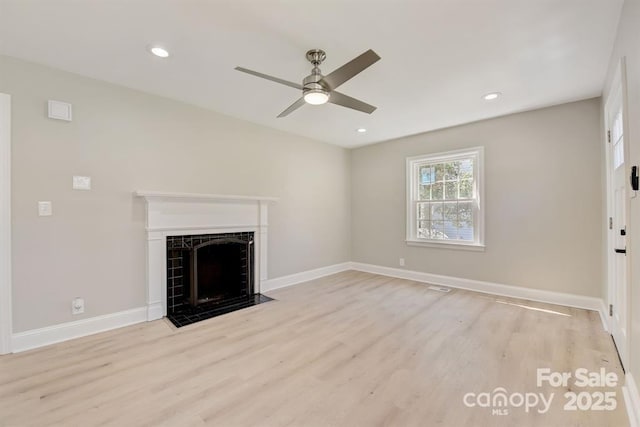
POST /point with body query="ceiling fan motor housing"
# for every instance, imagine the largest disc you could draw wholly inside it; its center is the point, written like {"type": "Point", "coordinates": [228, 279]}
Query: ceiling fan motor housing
{"type": "Point", "coordinates": [312, 83]}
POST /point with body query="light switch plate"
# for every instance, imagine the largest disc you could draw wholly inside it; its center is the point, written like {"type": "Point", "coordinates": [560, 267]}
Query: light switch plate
{"type": "Point", "coordinates": [45, 209]}
{"type": "Point", "coordinates": [59, 110]}
{"type": "Point", "coordinates": [82, 183]}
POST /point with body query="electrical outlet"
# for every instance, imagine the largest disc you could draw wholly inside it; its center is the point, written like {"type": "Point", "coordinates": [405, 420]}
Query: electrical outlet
{"type": "Point", "coordinates": [77, 306]}
{"type": "Point", "coordinates": [401, 262]}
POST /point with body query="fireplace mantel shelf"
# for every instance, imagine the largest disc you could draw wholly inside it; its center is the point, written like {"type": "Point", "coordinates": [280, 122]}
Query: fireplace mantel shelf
{"type": "Point", "coordinates": [166, 196]}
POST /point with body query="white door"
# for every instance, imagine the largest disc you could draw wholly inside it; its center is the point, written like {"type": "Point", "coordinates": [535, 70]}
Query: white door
{"type": "Point", "coordinates": [617, 182]}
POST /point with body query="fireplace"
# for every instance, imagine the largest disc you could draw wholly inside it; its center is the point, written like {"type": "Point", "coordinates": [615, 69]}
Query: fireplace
{"type": "Point", "coordinates": [208, 268]}
{"type": "Point", "coordinates": [176, 223]}
{"type": "Point", "coordinates": [209, 275]}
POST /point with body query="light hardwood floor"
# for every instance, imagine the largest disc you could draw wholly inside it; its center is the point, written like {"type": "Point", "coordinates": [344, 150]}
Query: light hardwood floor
{"type": "Point", "coordinates": [352, 349]}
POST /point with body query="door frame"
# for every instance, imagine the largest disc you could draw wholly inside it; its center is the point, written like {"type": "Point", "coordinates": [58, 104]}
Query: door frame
{"type": "Point", "coordinates": [5, 224]}
{"type": "Point", "coordinates": [618, 88]}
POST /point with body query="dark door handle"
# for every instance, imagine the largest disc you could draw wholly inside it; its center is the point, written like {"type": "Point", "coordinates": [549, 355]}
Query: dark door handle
{"type": "Point", "coordinates": [620, 251]}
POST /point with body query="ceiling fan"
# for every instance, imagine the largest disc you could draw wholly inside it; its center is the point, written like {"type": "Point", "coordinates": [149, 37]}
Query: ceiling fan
{"type": "Point", "coordinates": [318, 89]}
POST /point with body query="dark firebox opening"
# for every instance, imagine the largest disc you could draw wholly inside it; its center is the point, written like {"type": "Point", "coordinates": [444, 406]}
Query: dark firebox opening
{"type": "Point", "coordinates": [209, 275]}
{"type": "Point", "coordinates": [219, 270]}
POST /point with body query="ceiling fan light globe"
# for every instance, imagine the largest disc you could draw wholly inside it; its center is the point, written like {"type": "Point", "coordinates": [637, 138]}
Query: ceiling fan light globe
{"type": "Point", "coordinates": [316, 97]}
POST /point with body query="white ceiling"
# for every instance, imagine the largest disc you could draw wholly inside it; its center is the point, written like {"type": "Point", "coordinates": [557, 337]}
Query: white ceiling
{"type": "Point", "coordinates": [438, 56]}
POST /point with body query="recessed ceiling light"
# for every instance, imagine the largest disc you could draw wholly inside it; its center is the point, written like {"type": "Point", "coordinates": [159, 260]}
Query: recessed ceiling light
{"type": "Point", "coordinates": [491, 96]}
{"type": "Point", "coordinates": [361, 130]}
{"type": "Point", "coordinates": [159, 51]}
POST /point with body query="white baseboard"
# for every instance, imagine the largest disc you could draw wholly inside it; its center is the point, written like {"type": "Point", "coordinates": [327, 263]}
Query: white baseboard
{"type": "Point", "coordinates": [53, 334]}
{"type": "Point", "coordinates": [570, 300]}
{"type": "Point", "coordinates": [305, 276]}
{"type": "Point", "coordinates": [154, 311]}
{"type": "Point", "coordinates": [35, 338]}
{"type": "Point", "coordinates": [631, 400]}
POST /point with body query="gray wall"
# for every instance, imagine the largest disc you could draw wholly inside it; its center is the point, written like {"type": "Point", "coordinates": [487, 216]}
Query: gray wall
{"type": "Point", "coordinates": [94, 244]}
{"type": "Point", "coordinates": [543, 198]}
{"type": "Point", "coordinates": [627, 45]}
{"type": "Point", "coordinates": [542, 201]}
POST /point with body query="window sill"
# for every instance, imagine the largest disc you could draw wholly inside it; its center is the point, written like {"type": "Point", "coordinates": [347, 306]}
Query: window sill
{"type": "Point", "coordinates": [447, 245]}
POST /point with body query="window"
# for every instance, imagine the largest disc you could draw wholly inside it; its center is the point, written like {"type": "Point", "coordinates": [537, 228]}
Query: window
{"type": "Point", "coordinates": [616, 137]}
{"type": "Point", "coordinates": [444, 200]}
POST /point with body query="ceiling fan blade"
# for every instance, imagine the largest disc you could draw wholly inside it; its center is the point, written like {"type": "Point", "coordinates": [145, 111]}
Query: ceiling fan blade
{"type": "Point", "coordinates": [299, 103]}
{"type": "Point", "coordinates": [349, 102]}
{"type": "Point", "coordinates": [350, 69]}
{"type": "Point", "coordinates": [273, 79]}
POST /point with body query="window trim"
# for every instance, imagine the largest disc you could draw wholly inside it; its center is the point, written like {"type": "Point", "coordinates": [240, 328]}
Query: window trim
{"type": "Point", "coordinates": [411, 226]}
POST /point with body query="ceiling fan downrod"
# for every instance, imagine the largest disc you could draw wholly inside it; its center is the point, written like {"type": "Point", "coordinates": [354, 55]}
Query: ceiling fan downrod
{"type": "Point", "coordinates": [314, 91]}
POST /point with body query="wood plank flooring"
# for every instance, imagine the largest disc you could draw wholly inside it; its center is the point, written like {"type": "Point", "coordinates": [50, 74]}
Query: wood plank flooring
{"type": "Point", "coordinates": [352, 349]}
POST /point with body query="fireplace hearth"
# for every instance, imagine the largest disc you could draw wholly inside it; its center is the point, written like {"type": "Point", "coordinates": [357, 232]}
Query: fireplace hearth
{"type": "Point", "coordinates": [209, 275]}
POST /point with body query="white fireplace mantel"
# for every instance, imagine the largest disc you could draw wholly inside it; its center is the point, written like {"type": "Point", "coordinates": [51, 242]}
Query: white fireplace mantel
{"type": "Point", "coordinates": [161, 195]}
{"type": "Point", "coordinates": [175, 214]}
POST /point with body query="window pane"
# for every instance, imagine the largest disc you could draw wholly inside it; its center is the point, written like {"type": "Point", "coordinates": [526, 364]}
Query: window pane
{"type": "Point", "coordinates": [425, 192]}
{"type": "Point", "coordinates": [427, 175]}
{"type": "Point", "coordinates": [423, 211]}
{"type": "Point", "coordinates": [466, 189]}
{"type": "Point", "coordinates": [424, 229]}
{"type": "Point", "coordinates": [437, 211]}
{"type": "Point", "coordinates": [618, 154]}
{"type": "Point", "coordinates": [439, 167]}
{"type": "Point", "coordinates": [466, 169]}
{"type": "Point", "coordinates": [451, 170]}
{"type": "Point", "coordinates": [617, 140]}
{"type": "Point", "coordinates": [437, 191]}
{"type": "Point", "coordinates": [437, 230]}
{"type": "Point", "coordinates": [617, 129]}
{"type": "Point", "coordinates": [451, 190]}
{"type": "Point", "coordinates": [465, 214]}
{"type": "Point", "coordinates": [451, 212]}
{"type": "Point", "coordinates": [459, 231]}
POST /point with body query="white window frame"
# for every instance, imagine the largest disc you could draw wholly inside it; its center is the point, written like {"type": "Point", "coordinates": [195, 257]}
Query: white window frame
{"type": "Point", "coordinates": [413, 164]}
